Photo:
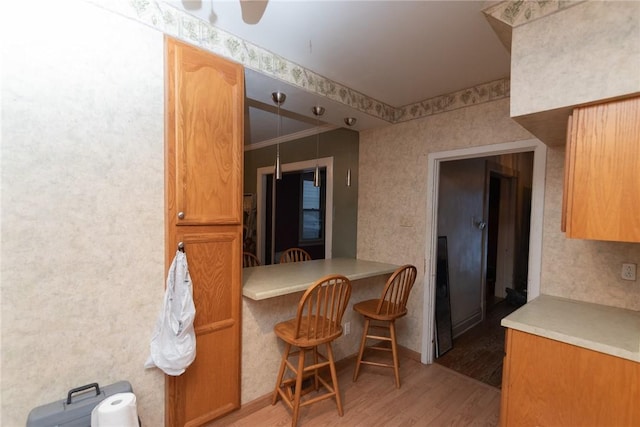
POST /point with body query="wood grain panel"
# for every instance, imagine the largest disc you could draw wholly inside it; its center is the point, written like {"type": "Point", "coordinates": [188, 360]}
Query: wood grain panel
{"type": "Point", "coordinates": [604, 175]}
{"type": "Point", "coordinates": [506, 370]}
{"type": "Point", "coordinates": [550, 383]}
{"type": "Point", "coordinates": [568, 154]}
{"type": "Point", "coordinates": [206, 394]}
{"type": "Point", "coordinates": [203, 179]}
{"type": "Point", "coordinates": [206, 95]}
{"type": "Point", "coordinates": [214, 264]}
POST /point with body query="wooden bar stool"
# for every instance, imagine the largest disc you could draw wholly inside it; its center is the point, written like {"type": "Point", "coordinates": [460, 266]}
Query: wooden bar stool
{"type": "Point", "coordinates": [294, 255]}
{"type": "Point", "coordinates": [249, 260]}
{"type": "Point", "coordinates": [318, 321]}
{"type": "Point", "coordinates": [384, 312]}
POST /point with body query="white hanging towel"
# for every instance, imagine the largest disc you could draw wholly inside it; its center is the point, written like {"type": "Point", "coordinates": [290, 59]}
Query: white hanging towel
{"type": "Point", "coordinates": [173, 345]}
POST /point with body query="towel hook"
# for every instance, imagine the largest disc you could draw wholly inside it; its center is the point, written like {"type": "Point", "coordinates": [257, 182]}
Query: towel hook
{"type": "Point", "coordinates": [181, 246]}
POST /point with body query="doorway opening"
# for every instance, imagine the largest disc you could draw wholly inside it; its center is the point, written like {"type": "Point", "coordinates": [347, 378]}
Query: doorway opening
{"type": "Point", "coordinates": [298, 216]}
{"type": "Point", "coordinates": [481, 208]}
{"type": "Point", "coordinates": [508, 231]}
{"type": "Point", "coordinates": [534, 237]}
{"type": "Point", "coordinates": [295, 221]}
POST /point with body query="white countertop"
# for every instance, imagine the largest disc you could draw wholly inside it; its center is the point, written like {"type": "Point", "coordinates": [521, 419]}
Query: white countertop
{"type": "Point", "coordinates": [270, 281]}
{"type": "Point", "coordinates": [605, 329]}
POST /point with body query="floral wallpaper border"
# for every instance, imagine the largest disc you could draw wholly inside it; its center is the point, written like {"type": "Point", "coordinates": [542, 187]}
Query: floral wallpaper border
{"type": "Point", "coordinates": [518, 12]}
{"type": "Point", "coordinates": [179, 24]}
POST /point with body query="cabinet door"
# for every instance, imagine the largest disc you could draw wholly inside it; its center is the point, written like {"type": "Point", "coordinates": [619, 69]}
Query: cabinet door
{"type": "Point", "coordinates": [205, 127]}
{"type": "Point", "coordinates": [210, 387]}
{"type": "Point", "coordinates": [204, 105]}
{"type": "Point", "coordinates": [603, 172]}
{"type": "Point", "coordinates": [550, 383]}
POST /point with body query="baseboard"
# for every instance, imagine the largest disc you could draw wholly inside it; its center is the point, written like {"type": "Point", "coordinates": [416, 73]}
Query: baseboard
{"type": "Point", "coordinates": [245, 410]}
{"type": "Point", "coordinates": [410, 354]}
{"type": "Point", "coordinates": [264, 401]}
{"type": "Point", "coordinates": [466, 324]}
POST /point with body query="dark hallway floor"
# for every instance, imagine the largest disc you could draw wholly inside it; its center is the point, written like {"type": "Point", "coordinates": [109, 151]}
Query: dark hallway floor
{"type": "Point", "coordinates": [478, 353]}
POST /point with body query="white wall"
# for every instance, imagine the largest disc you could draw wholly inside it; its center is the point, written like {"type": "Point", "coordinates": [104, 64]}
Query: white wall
{"type": "Point", "coordinates": [82, 204]}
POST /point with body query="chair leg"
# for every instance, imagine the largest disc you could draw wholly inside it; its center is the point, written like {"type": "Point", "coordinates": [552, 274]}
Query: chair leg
{"type": "Point", "coordinates": [316, 382]}
{"type": "Point", "coordinates": [394, 350]}
{"type": "Point", "coordinates": [296, 397]}
{"type": "Point", "coordinates": [361, 352]}
{"type": "Point", "coordinates": [283, 365]}
{"type": "Point", "coordinates": [334, 378]}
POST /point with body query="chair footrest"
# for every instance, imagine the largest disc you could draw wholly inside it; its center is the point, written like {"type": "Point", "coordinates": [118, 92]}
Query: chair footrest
{"type": "Point", "coordinates": [378, 337]}
{"type": "Point", "coordinates": [383, 365]}
{"type": "Point", "coordinates": [317, 399]}
{"type": "Point", "coordinates": [376, 347]}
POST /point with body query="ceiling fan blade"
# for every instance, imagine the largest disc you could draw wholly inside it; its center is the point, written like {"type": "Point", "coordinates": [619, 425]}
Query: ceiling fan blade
{"type": "Point", "coordinates": [252, 10]}
{"type": "Point", "coordinates": [192, 4]}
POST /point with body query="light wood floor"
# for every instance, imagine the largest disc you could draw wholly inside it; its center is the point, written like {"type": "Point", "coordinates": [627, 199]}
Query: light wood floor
{"type": "Point", "coordinates": [431, 395]}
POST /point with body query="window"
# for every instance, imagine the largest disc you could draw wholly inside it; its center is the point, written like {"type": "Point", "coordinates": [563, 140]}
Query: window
{"type": "Point", "coordinates": [312, 211]}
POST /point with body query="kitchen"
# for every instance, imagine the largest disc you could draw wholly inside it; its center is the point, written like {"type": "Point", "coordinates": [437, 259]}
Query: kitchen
{"type": "Point", "coordinates": [74, 312]}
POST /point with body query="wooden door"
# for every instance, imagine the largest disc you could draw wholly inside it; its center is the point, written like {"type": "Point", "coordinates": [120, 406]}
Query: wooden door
{"type": "Point", "coordinates": [204, 137]}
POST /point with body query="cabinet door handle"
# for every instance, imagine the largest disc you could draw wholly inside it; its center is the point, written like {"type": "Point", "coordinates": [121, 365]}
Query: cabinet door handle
{"type": "Point", "coordinates": [180, 215]}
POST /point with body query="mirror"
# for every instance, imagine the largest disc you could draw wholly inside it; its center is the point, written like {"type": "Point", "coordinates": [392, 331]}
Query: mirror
{"type": "Point", "coordinates": [444, 329]}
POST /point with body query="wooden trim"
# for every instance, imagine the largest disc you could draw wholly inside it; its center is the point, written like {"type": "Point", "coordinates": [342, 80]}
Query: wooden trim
{"type": "Point", "coordinates": [504, 401]}
{"type": "Point", "coordinates": [567, 175]}
{"type": "Point", "coordinates": [409, 354]}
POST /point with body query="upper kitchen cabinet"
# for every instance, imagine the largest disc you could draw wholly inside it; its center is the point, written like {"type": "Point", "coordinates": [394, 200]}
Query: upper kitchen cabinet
{"type": "Point", "coordinates": [205, 123]}
{"type": "Point", "coordinates": [602, 172]}
{"type": "Point", "coordinates": [587, 52]}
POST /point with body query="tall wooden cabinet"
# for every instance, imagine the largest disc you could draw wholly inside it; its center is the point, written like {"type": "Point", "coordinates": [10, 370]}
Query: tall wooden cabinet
{"type": "Point", "coordinates": [204, 139]}
{"type": "Point", "coordinates": [602, 172]}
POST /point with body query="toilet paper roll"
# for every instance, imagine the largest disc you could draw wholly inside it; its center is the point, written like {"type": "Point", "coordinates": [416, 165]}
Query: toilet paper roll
{"type": "Point", "coordinates": [118, 410]}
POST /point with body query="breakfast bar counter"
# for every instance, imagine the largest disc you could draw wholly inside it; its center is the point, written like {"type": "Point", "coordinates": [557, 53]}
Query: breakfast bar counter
{"type": "Point", "coordinates": [270, 281]}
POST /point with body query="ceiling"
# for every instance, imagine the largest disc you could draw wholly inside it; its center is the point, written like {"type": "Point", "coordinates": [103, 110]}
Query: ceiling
{"type": "Point", "coordinates": [397, 52]}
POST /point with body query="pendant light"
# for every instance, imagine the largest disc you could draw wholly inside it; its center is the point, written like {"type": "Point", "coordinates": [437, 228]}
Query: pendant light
{"type": "Point", "coordinates": [317, 111]}
{"type": "Point", "coordinates": [349, 121]}
{"type": "Point", "coordinates": [278, 98]}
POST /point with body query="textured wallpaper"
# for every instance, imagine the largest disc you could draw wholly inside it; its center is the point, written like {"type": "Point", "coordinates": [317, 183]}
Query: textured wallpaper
{"type": "Point", "coordinates": [82, 205]}
{"type": "Point", "coordinates": [392, 209]}
{"type": "Point", "coordinates": [582, 54]}
{"type": "Point", "coordinates": [392, 201]}
{"type": "Point", "coordinates": [586, 270]}
{"type": "Point", "coordinates": [82, 213]}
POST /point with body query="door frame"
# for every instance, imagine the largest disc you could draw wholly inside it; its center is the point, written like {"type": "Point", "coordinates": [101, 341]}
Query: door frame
{"type": "Point", "coordinates": [305, 165]}
{"type": "Point", "coordinates": [535, 239]}
{"type": "Point", "coordinates": [506, 226]}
